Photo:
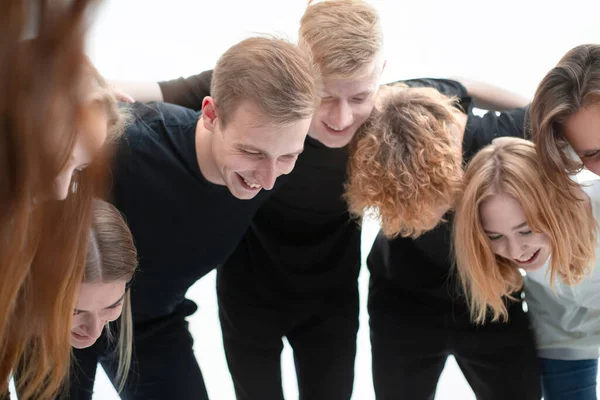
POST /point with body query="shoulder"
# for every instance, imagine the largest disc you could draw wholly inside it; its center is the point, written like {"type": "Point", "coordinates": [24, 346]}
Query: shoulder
{"type": "Point", "coordinates": [169, 114]}
{"type": "Point", "coordinates": [482, 129]}
{"type": "Point", "coordinates": [447, 87]}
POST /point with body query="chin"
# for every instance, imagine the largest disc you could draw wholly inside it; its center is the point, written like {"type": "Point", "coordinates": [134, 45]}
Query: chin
{"type": "Point", "coordinates": [80, 345]}
{"type": "Point", "coordinates": [240, 193]}
{"type": "Point", "coordinates": [334, 142]}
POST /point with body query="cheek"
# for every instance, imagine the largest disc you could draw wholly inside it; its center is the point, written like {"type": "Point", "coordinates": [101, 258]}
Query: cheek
{"type": "Point", "coordinates": [239, 163]}
{"type": "Point", "coordinates": [322, 112]}
{"type": "Point", "coordinates": [498, 249]}
{"type": "Point", "coordinates": [362, 111]}
{"type": "Point", "coordinates": [76, 321]}
{"type": "Point", "coordinates": [113, 314]}
{"type": "Point", "coordinates": [287, 166]}
{"type": "Point", "coordinates": [593, 165]}
{"type": "Point", "coordinates": [542, 240]}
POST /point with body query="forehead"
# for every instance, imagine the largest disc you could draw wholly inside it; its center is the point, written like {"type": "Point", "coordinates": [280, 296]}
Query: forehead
{"type": "Point", "coordinates": [582, 129]}
{"type": "Point", "coordinates": [366, 80]}
{"type": "Point", "coordinates": [99, 295]}
{"type": "Point", "coordinates": [94, 126]}
{"type": "Point", "coordinates": [501, 212]}
{"type": "Point", "coordinates": [249, 127]}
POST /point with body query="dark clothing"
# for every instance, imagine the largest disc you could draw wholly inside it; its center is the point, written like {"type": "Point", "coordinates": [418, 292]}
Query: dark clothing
{"type": "Point", "coordinates": [163, 365]}
{"type": "Point", "coordinates": [187, 92]}
{"type": "Point", "coordinates": [418, 316]}
{"type": "Point", "coordinates": [303, 249]}
{"type": "Point", "coordinates": [419, 269]}
{"type": "Point", "coordinates": [409, 354]}
{"type": "Point", "coordinates": [302, 242]}
{"type": "Point", "coordinates": [295, 271]}
{"type": "Point", "coordinates": [183, 227]}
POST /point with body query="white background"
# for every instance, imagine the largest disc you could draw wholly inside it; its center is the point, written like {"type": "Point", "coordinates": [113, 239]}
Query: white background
{"type": "Point", "coordinates": [511, 43]}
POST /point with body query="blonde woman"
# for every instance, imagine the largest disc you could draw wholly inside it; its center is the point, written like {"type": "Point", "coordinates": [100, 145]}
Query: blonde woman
{"type": "Point", "coordinates": [510, 219]}
{"type": "Point", "coordinates": [104, 293]}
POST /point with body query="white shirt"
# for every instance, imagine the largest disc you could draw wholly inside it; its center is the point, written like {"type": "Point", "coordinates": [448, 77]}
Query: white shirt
{"type": "Point", "coordinates": [566, 319]}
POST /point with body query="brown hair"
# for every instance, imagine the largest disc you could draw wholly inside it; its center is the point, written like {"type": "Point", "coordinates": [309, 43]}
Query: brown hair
{"type": "Point", "coordinates": [343, 36]}
{"type": "Point", "coordinates": [273, 74]}
{"type": "Point", "coordinates": [570, 86]}
{"type": "Point", "coordinates": [511, 166]}
{"type": "Point", "coordinates": [42, 243]}
{"type": "Point", "coordinates": [111, 257]}
{"type": "Point", "coordinates": [406, 163]}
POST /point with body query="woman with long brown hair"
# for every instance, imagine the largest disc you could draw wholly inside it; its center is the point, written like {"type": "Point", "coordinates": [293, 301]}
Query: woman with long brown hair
{"type": "Point", "coordinates": [565, 116]}
{"type": "Point", "coordinates": [509, 219]}
{"type": "Point", "coordinates": [51, 126]}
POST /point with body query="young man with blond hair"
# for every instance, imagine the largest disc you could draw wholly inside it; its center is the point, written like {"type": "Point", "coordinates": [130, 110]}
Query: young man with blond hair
{"type": "Point", "coordinates": [295, 272]}
{"type": "Point", "coordinates": [188, 186]}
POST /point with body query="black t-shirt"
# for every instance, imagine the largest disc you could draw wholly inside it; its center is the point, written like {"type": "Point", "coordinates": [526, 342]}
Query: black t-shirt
{"type": "Point", "coordinates": [183, 225]}
{"type": "Point", "coordinates": [410, 272]}
{"type": "Point", "coordinates": [302, 243]}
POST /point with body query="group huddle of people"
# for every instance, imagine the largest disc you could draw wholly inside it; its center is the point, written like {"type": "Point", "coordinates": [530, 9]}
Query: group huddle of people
{"type": "Point", "coordinates": [117, 197]}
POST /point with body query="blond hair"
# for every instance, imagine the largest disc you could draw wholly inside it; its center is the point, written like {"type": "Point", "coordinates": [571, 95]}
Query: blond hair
{"type": "Point", "coordinates": [344, 36]}
{"type": "Point", "coordinates": [511, 166]}
{"type": "Point", "coordinates": [406, 162]}
{"type": "Point", "coordinates": [273, 74]}
{"type": "Point", "coordinates": [567, 88]}
{"type": "Point", "coordinates": [112, 257]}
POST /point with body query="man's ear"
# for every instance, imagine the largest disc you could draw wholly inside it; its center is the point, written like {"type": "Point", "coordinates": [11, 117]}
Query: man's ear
{"type": "Point", "coordinates": [209, 113]}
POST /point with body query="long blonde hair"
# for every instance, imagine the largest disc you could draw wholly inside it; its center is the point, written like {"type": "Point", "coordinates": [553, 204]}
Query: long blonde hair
{"type": "Point", "coordinates": [510, 166]}
{"type": "Point", "coordinates": [111, 257]}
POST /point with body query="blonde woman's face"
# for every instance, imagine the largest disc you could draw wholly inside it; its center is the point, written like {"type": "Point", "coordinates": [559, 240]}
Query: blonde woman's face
{"type": "Point", "coordinates": [503, 221]}
{"type": "Point", "coordinates": [98, 304]}
{"type": "Point", "coordinates": [582, 132]}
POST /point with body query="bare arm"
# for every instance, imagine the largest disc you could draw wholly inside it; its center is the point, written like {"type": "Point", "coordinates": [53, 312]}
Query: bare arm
{"type": "Point", "coordinates": [491, 97]}
{"type": "Point", "coordinates": [139, 90]}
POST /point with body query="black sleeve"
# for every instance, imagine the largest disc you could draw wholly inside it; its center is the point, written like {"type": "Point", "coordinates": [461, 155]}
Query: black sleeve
{"type": "Point", "coordinates": [187, 92]}
{"type": "Point", "coordinates": [444, 86]}
{"type": "Point", "coordinates": [482, 130]}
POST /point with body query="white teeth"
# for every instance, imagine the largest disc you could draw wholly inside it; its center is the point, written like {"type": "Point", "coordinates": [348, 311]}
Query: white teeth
{"type": "Point", "coordinates": [334, 129]}
{"type": "Point", "coordinates": [524, 259]}
{"type": "Point", "coordinates": [252, 185]}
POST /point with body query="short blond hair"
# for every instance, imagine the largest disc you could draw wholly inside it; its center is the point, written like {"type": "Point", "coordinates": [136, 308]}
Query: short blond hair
{"type": "Point", "coordinates": [273, 74]}
{"type": "Point", "coordinates": [511, 166]}
{"type": "Point", "coordinates": [406, 162]}
{"type": "Point", "coordinates": [344, 36]}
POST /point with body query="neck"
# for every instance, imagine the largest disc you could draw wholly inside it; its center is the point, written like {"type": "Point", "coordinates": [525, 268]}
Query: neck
{"type": "Point", "coordinates": [205, 156]}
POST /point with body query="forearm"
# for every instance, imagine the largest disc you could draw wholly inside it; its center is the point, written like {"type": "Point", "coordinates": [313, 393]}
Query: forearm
{"type": "Point", "coordinates": [142, 91]}
{"type": "Point", "coordinates": [491, 97]}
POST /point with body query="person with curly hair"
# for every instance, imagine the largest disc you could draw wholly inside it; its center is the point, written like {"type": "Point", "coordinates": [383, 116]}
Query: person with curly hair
{"type": "Point", "coordinates": [509, 220]}
{"type": "Point", "coordinates": [407, 166]}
